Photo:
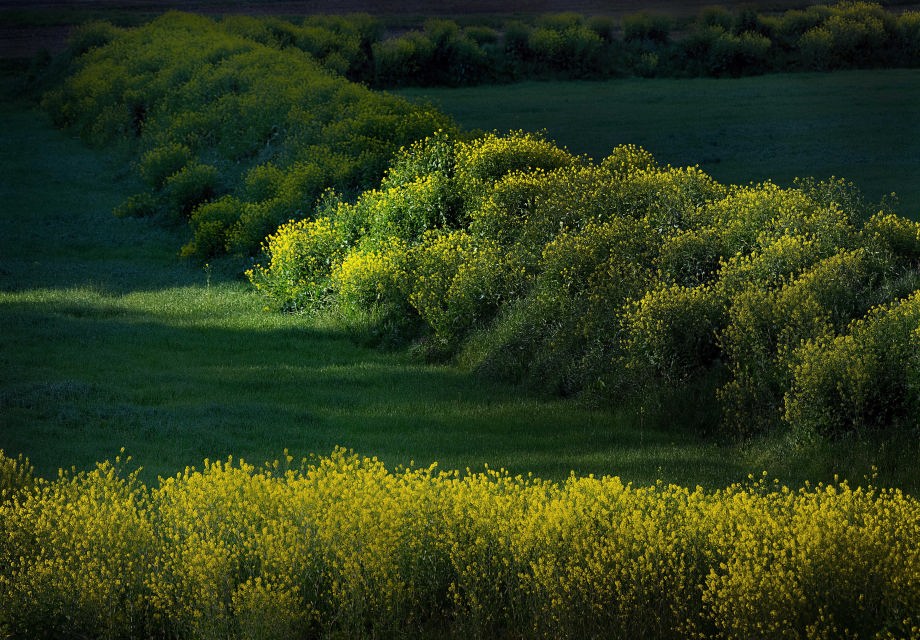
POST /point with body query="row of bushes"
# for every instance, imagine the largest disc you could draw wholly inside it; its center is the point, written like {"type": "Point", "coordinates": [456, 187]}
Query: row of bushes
{"type": "Point", "coordinates": [523, 261]}
{"type": "Point", "coordinates": [717, 42]}
{"type": "Point", "coordinates": [233, 135]}
{"type": "Point", "coordinates": [241, 124]}
{"type": "Point", "coordinates": [341, 547]}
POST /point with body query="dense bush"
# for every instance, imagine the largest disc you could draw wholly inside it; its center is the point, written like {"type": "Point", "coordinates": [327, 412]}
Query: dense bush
{"type": "Point", "coordinates": [341, 547]}
{"type": "Point", "coordinates": [216, 109]}
{"type": "Point", "coordinates": [615, 278]}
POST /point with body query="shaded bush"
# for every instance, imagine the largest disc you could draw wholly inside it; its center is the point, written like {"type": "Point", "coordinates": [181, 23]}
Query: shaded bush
{"type": "Point", "coordinates": [866, 378]}
{"type": "Point", "coordinates": [203, 102]}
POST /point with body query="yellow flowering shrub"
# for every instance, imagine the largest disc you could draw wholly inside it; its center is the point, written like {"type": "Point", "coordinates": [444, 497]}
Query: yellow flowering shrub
{"type": "Point", "coordinates": [533, 265]}
{"type": "Point", "coordinates": [365, 278]}
{"type": "Point", "coordinates": [670, 332]}
{"type": "Point", "coordinates": [765, 325]}
{"type": "Point", "coordinates": [340, 546]}
{"type": "Point", "coordinates": [491, 156]}
{"type": "Point", "coordinates": [301, 257]}
{"type": "Point", "coordinates": [16, 474]}
{"type": "Point", "coordinates": [627, 158]}
{"type": "Point", "coordinates": [457, 280]}
{"type": "Point", "coordinates": [900, 236]}
{"type": "Point", "coordinates": [76, 554]}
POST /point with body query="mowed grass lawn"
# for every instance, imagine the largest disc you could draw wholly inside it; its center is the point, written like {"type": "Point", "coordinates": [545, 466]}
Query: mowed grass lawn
{"type": "Point", "coordinates": [108, 340]}
{"type": "Point", "coordinates": [859, 125]}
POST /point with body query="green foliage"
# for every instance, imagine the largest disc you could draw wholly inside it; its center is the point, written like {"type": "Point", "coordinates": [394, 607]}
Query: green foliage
{"type": "Point", "coordinates": [190, 186]}
{"type": "Point", "coordinates": [442, 54]}
{"type": "Point", "coordinates": [163, 162]}
{"type": "Point", "coordinates": [865, 378]}
{"type": "Point", "coordinates": [204, 103]}
{"type": "Point", "coordinates": [646, 27]}
{"type": "Point", "coordinates": [613, 278]}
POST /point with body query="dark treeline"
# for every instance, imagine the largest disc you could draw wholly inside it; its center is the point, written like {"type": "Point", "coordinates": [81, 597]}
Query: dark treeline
{"type": "Point", "coordinates": [717, 42]}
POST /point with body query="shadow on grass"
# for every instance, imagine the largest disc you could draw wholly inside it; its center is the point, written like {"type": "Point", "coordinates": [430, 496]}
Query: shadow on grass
{"type": "Point", "coordinates": [82, 379]}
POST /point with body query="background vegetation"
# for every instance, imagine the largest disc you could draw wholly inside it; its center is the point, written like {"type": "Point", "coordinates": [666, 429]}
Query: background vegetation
{"type": "Point", "coordinates": [734, 327]}
{"type": "Point", "coordinates": [716, 42]}
{"type": "Point", "coordinates": [230, 135]}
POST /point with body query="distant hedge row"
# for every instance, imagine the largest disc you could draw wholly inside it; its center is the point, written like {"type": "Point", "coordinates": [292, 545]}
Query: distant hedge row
{"type": "Point", "coordinates": [339, 547]}
{"type": "Point", "coordinates": [523, 261]}
{"type": "Point", "coordinates": [230, 134]}
{"type": "Point", "coordinates": [718, 42]}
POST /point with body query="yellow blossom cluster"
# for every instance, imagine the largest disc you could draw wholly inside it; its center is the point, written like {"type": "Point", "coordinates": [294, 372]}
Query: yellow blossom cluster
{"type": "Point", "coordinates": [340, 546]}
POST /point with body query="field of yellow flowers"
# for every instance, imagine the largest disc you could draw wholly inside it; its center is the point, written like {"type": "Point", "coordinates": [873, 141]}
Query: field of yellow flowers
{"type": "Point", "coordinates": [339, 546]}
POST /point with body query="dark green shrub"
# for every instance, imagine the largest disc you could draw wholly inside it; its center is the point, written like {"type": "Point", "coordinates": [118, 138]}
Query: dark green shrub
{"type": "Point", "coordinates": [865, 378]}
{"type": "Point", "coordinates": [517, 35]}
{"type": "Point", "coordinates": [908, 38]}
{"type": "Point", "coordinates": [162, 162]}
{"type": "Point", "coordinates": [213, 222]}
{"type": "Point", "coordinates": [712, 50]}
{"type": "Point", "coordinates": [716, 16]}
{"type": "Point", "coordinates": [192, 185]}
{"type": "Point", "coordinates": [90, 35]}
{"type": "Point", "coordinates": [603, 26]}
{"type": "Point", "coordinates": [139, 205]}
{"type": "Point", "coordinates": [648, 27]}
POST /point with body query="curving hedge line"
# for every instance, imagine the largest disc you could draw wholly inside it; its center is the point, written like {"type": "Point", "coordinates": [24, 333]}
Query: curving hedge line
{"type": "Point", "coordinates": [796, 305]}
{"type": "Point", "coordinates": [341, 547]}
{"type": "Point", "coordinates": [233, 135]}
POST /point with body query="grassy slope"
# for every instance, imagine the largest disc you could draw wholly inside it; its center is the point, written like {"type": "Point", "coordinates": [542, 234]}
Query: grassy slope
{"type": "Point", "coordinates": [860, 125]}
{"type": "Point", "coordinates": [109, 341]}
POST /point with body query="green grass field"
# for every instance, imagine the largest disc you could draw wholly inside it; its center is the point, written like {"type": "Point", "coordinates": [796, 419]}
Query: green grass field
{"type": "Point", "coordinates": [109, 340]}
{"type": "Point", "coordinates": [859, 125]}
